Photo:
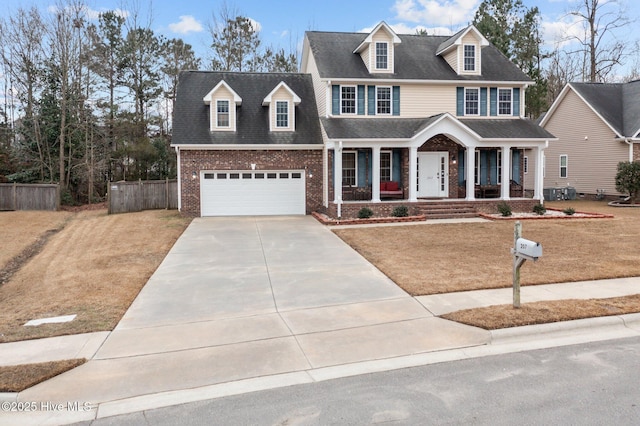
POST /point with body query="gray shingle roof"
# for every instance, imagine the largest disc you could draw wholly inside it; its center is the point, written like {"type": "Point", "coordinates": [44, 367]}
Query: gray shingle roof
{"type": "Point", "coordinates": [191, 114]}
{"type": "Point", "coordinates": [507, 129]}
{"type": "Point", "coordinates": [415, 59]}
{"type": "Point", "coordinates": [617, 103]}
{"type": "Point", "coordinates": [406, 128]}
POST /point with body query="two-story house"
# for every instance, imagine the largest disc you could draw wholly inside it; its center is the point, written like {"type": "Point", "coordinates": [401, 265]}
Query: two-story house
{"type": "Point", "coordinates": [399, 120]}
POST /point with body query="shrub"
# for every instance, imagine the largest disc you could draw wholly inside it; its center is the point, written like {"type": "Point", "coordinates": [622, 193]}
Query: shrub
{"type": "Point", "coordinates": [365, 213]}
{"type": "Point", "coordinates": [504, 209]}
{"type": "Point", "coordinates": [400, 211]}
{"type": "Point", "coordinates": [569, 211]}
{"type": "Point", "coordinates": [628, 179]}
{"type": "Point", "coordinates": [539, 209]}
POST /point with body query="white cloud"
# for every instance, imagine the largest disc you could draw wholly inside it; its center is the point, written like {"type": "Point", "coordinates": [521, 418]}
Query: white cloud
{"type": "Point", "coordinates": [561, 32]}
{"type": "Point", "coordinates": [89, 14]}
{"type": "Point", "coordinates": [186, 25]}
{"type": "Point", "coordinates": [403, 28]}
{"type": "Point", "coordinates": [436, 13]}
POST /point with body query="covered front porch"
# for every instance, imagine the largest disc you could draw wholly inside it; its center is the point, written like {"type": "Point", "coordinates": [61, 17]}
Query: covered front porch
{"type": "Point", "coordinates": [445, 161]}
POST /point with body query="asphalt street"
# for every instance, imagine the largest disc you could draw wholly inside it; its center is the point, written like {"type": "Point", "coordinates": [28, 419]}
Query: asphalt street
{"type": "Point", "coordinates": [586, 384]}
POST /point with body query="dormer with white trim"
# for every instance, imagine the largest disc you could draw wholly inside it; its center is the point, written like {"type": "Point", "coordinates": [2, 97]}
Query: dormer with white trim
{"type": "Point", "coordinates": [463, 51]}
{"type": "Point", "coordinates": [282, 102]}
{"type": "Point", "coordinates": [378, 49]}
{"type": "Point", "coordinates": [222, 101]}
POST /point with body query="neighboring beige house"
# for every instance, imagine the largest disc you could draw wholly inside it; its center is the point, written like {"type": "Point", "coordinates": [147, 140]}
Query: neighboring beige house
{"type": "Point", "coordinates": [597, 126]}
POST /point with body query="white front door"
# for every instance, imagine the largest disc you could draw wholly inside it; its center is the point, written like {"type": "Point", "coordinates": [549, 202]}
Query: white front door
{"type": "Point", "coordinates": [433, 174]}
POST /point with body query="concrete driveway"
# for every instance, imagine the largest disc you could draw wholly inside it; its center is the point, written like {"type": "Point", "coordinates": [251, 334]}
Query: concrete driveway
{"type": "Point", "coordinates": [245, 298]}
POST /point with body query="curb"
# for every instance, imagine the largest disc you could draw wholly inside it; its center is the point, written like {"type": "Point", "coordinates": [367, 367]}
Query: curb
{"type": "Point", "coordinates": [622, 323]}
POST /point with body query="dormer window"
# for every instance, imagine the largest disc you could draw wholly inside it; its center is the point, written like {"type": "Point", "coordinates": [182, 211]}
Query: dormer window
{"type": "Point", "coordinates": [282, 114]}
{"type": "Point", "coordinates": [222, 113]}
{"type": "Point", "coordinates": [469, 57]}
{"type": "Point", "coordinates": [282, 102]}
{"type": "Point", "coordinates": [223, 102]}
{"type": "Point", "coordinates": [382, 56]}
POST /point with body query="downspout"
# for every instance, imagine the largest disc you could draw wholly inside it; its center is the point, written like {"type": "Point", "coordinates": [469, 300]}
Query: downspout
{"type": "Point", "coordinates": [340, 197]}
{"type": "Point", "coordinates": [179, 179]}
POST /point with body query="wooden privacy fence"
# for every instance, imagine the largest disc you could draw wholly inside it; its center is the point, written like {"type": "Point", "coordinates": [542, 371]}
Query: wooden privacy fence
{"type": "Point", "coordinates": [127, 197]}
{"type": "Point", "coordinates": [31, 196]}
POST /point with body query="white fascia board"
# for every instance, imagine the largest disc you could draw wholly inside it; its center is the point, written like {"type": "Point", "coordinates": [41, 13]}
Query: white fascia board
{"type": "Point", "coordinates": [247, 147]}
{"type": "Point", "coordinates": [236, 98]}
{"type": "Point", "coordinates": [267, 100]}
{"type": "Point", "coordinates": [473, 83]}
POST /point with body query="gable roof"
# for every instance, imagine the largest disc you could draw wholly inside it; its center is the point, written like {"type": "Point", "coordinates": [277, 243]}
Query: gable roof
{"type": "Point", "coordinates": [456, 39]}
{"type": "Point", "coordinates": [191, 116]}
{"type": "Point", "coordinates": [415, 59]}
{"type": "Point", "coordinates": [369, 38]}
{"type": "Point", "coordinates": [617, 104]}
{"type": "Point", "coordinates": [236, 99]}
{"type": "Point", "coordinates": [282, 84]}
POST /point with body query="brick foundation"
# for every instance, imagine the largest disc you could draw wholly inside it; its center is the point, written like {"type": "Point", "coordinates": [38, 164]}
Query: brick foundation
{"type": "Point", "coordinates": [197, 160]}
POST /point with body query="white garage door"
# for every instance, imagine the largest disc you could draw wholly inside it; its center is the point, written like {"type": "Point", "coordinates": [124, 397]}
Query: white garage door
{"type": "Point", "coordinates": [252, 193]}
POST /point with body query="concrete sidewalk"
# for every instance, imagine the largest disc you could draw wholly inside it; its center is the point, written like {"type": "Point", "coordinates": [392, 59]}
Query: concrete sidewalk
{"type": "Point", "coordinates": [243, 304]}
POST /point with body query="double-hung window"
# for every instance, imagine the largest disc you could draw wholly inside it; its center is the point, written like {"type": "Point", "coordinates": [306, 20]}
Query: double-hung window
{"type": "Point", "coordinates": [469, 57]}
{"type": "Point", "coordinates": [382, 56]}
{"type": "Point", "coordinates": [383, 100]}
{"type": "Point", "coordinates": [385, 166]}
{"type": "Point", "coordinates": [504, 101]}
{"type": "Point", "coordinates": [348, 99]}
{"type": "Point", "coordinates": [222, 113]}
{"type": "Point", "coordinates": [564, 165]}
{"type": "Point", "coordinates": [471, 101]}
{"type": "Point", "coordinates": [349, 169]}
{"type": "Point", "coordinates": [282, 114]}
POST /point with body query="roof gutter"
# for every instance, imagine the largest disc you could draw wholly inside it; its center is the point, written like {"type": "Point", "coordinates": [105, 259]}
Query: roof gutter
{"type": "Point", "coordinates": [247, 147]}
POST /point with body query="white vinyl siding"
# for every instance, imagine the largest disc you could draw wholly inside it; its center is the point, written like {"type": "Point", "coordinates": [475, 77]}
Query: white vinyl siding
{"type": "Point", "coordinates": [323, 94]}
{"type": "Point", "coordinates": [222, 94]}
{"type": "Point", "coordinates": [424, 101]}
{"type": "Point", "coordinates": [594, 160]}
{"type": "Point", "coordinates": [470, 40]}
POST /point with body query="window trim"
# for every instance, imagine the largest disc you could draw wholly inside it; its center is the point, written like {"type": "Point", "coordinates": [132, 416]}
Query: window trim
{"type": "Point", "coordinates": [565, 167]}
{"type": "Point", "coordinates": [504, 89]}
{"type": "Point", "coordinates": [280, 114]}
{"type": "Point", "coordinates": [218, 114]}
{"type": "Point", "coordinates": [355, 167]}
{"type": "Point", "coordinates": [355, 99]}
{"type": "Point", "coordinates": [466, 111]}
{"type": "Point", "coordinates": [377, 56]}
{"type": "Point", "coordinates": [390, 152]}
{"type": "Point", "coordinates": [465, 57]}
{"type": "Point", "coordinates": [390, 100]}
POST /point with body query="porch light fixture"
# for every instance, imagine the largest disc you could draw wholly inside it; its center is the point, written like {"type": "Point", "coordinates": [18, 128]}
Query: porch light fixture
{"type": "Point", "coordinates": [194, 175]}
{"type": "Point", "coordinates": [309, 173]}
{"type": "Point", "coordinates": [253, 166]}
{"type": "Point", "coordinates": [453, 159]}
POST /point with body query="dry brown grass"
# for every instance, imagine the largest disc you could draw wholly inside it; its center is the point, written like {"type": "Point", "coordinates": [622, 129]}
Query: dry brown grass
{"type": "Point", "coordinates": [21, 229]}
{"type": "Point", "coordinates": [430, 259]}
{"type": "Point", "coordinates": [504, 316]}
{"type": "Point", "coordinates": [17, 378]}
{"type": "Point", "coordinates": [94, 268]}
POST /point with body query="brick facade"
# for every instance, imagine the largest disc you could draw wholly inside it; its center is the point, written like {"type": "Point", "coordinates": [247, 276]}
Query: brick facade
{"type": "Point", "coordinates": [636, 152]}
{"type": "Point", "coordinates": [196, 160]}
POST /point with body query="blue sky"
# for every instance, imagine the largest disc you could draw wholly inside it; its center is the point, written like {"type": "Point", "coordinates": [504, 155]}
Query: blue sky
{"type": "Point", "coordinates": [282, 23]}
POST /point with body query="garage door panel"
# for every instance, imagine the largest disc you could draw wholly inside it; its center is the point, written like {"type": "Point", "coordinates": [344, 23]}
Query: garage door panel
{"type": "Point", "coordinates": [248, 193]}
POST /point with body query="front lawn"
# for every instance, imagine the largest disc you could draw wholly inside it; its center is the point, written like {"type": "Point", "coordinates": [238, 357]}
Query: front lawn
{"type": "Point", "coordinates": [441, 258]}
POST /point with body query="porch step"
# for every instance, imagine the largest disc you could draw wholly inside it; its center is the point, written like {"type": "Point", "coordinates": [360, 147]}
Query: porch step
{"type": "Point", "coordinates": [447, 211]}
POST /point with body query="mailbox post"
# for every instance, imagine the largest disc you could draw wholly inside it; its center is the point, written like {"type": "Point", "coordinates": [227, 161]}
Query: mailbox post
{"type": "Point", "coordinates": [523, 250]}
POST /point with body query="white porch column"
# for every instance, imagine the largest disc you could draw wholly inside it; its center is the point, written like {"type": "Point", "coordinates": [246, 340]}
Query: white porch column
{"type": "Point", "coordinates": [375, 169]}
{"type": "Point", "coordinates": [413, 173]}
{"type": "Point", "coordinates": [337, 175]}
{"type": "Point", "coordinates": [470, 167]}
{"type": "Point", "coordinates": [539, 181]}
{"type": "Point", "coordinates": [505, 192]}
